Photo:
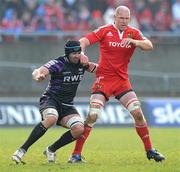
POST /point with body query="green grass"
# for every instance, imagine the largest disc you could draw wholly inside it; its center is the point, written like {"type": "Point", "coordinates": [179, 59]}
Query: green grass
{"type": "Point", "coordinates": [107, 150]}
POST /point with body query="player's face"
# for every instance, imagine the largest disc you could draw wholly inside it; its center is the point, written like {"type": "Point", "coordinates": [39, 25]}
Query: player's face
{"type": "Point", "coordinates": [121, 19]}
{"type": "Point", "coordinates": [74, 57]}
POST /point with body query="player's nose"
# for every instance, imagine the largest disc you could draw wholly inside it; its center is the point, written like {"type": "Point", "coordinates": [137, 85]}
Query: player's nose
{"type": "Point", "coordinates": [77, 56]}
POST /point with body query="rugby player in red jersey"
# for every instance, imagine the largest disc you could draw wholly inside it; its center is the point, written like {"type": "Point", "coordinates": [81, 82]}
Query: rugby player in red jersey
{"type": "Point", "coordinates": [117, 43]}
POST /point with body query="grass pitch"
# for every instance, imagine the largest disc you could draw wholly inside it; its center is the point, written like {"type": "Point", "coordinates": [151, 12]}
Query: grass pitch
{"type": "Point", "coordinates": [107, 150]}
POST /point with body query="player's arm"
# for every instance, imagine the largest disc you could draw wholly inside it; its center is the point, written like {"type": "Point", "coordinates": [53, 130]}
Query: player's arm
{"type": "Point", "coordinates": [145, 44]}
{"type": "Point", "coordinates": [91, 67]}
{"type": "Point", "coordinates": [84, 42]}
{"type": "Point", "coordinates": [40, 73]}
{"type": "Point", "coordinates": [84, 60]}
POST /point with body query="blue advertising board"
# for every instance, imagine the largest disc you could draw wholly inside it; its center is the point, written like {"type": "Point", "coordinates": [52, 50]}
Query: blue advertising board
{"type": "Point", "coordinates": [26, 113]}
{"type": "Point", "coordinates": [163, 112]}
{"type": "Point", "coordinates": [158, 112]}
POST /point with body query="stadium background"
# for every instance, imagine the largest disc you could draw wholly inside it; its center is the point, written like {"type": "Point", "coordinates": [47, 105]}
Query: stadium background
{"type": "Point", "coordinates": [33, 32]}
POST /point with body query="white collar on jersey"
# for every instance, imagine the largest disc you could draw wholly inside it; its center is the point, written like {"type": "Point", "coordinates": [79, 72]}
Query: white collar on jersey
{"type": "Point", "coordinates": [120, 33]}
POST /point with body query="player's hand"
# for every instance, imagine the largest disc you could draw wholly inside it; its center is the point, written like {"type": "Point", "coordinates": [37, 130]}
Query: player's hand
{"type": "Point", "coordinates": [84, 60]}
{"type": "Point", "coordinates": [128, 41]}
{"type": "Point", "coordinates": [37, 75]}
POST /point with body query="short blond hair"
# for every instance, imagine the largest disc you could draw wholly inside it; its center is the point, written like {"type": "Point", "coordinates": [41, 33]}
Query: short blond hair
{"type": "Point", "coordinates": [122, 8]}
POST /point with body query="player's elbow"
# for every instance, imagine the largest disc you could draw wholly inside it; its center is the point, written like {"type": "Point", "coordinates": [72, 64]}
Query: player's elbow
{"type": "Point", "coordinates": [92, 67]}
{"type": "Point", "coordinates": [84, 42]}
{"type": "Point", "coordinates": [149, 46]}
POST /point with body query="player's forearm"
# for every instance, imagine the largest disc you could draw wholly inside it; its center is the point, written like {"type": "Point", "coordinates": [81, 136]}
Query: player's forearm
{"type": "Point", "coordinates": [144, 44]}
{"type": "Point", "coordinates": [84, 43]}
{"type": "Point", "coordinates": [40, 73]}
{"type": "Point", "coordinates": [92, 67]}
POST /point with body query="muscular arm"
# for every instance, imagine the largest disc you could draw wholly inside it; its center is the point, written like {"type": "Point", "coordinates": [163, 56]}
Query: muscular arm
{"type": "Point", "coordinates": [144, 44]}
{"type": "Point", "coordinates": [91, 67]}
{"type": "Point", "coordinates": [84, 60]}
{"type": "Point", "coordinates": [40, 73]}
{"type": "Point", "coordinates": [84, 43]}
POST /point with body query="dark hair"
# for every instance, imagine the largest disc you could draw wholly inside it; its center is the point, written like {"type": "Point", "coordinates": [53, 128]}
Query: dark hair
{"type": "Point", "coordinates": [72, 46]}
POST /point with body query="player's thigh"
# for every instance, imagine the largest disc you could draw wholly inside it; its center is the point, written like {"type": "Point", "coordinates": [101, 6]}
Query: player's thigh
{"type": "Point", "coordinates": [132, 104]}
{"type": "Point", "coordinates": [71, 120]}
{"type": "Point", "coordinates": [75, 123]}
{"type": "Point", "coordinates": [102, 85]}
{"type": "Point", "coordinates": [70, 117]}
{"type": "Point", "coordinates": [128, 99]}
{"type": "Point", "coordinates": [98, 99]}
{"type": "Point", "coordinates": [48, 108]}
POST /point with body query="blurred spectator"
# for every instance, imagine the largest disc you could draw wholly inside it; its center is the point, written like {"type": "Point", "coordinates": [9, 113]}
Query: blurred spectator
{"type": "Point", "coordinates": [84, 18]}
{"type": "Point", "coordinates": [97, 19]}
{"type": "Point", "coordinates": [38, 20]}
{"type": "Point", "coordinates": [144, 15]}
{"type": "Point", "coordinates": [49, 17]}
{"type": "Point", "coordinates": [134, 22]}
{"type": "Point", "coordinates": [127, 3]}
{"type": "Point", "coordinates": [27, 25]}
{"type": "Point", "coordinates": [70, 23]}
{"type": "Point", "coordinates": [83, 15]}
{"type": "Point", "coordinates": [163, 18]}
{"type": "Point", "coordinates": [16, 5]}
{"type": "Point", "coordinates": [100, 5]}
{"type": "Point", "coordinates": [31, 6]}
{"type": "Point", "coordinates": [54, 18]}
{"type": "Point", "coordinates": [176, 15]}
{"type": "Point", "coordinates": [2, 9]}
{"type": "Point", "coordinates": [10, 22]}
{"type": "Point", "coordinates": [70, 5]}
{"type": "Point", "coordinates": [154, 6]}
{"type": "Point", "coordinates": [109, 15]}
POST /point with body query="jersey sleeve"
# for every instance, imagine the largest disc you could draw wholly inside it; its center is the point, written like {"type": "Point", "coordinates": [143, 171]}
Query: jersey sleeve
{"type": "Point", "coordinates": [54, 66]}
{"type": "Point", "coordinates": [139, 35]}
{"type": "Point", "coordinates": [95, 36]}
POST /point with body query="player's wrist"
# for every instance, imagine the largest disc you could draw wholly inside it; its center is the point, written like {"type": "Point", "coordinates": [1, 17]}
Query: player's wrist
{"type": "Point", "coordinates": [35, 72]}
{"type": "Point", "coordinates": [136, 43]}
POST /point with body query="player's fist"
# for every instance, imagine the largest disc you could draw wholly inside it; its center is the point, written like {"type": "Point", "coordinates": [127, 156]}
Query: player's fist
{"type": "Point", "coordinates": [128, 41]}
{"type": "Point", "coordinates": [37, 75]}
{"type": "Point", "coordinates": [84, 60]}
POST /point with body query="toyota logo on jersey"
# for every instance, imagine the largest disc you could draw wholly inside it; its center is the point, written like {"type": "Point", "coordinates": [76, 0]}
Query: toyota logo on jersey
{"type": "Point", "coordinates": [119, 44]}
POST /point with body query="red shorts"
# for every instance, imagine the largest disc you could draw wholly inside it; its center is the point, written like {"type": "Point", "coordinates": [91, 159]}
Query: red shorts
{"type": "Point", "coordinates": [111, 86]}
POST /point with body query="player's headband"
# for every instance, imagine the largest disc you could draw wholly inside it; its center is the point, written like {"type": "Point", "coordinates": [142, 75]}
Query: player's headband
{"type": "Point", "coordinates": [72, 46]}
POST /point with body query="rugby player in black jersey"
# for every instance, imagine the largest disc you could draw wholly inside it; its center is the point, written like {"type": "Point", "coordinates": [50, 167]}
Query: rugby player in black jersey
{"type": "Point", "coordinates": [56, 103]}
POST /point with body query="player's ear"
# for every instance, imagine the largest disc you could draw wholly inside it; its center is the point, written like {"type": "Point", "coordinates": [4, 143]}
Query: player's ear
{"type": "Point", "coordinates": [114, 16]}
{"type": "Point", "coordinates": [130, 19]}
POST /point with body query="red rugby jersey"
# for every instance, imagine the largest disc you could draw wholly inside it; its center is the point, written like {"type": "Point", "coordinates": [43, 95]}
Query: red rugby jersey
{"type": "Point", "coordinates": [114, 56]}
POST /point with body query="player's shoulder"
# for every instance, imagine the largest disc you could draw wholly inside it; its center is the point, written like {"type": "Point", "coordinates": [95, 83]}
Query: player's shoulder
{"type": "Point", "coordinates": [104, 27]}
{"type": "Point", "coordinates": [136, 32]}
{"type": "Point", "coordinates": [61, 60]}
{"type": "Point", "coordinates": [133, 29]}
{"type": "Point", "coordinates": [107, 26]}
